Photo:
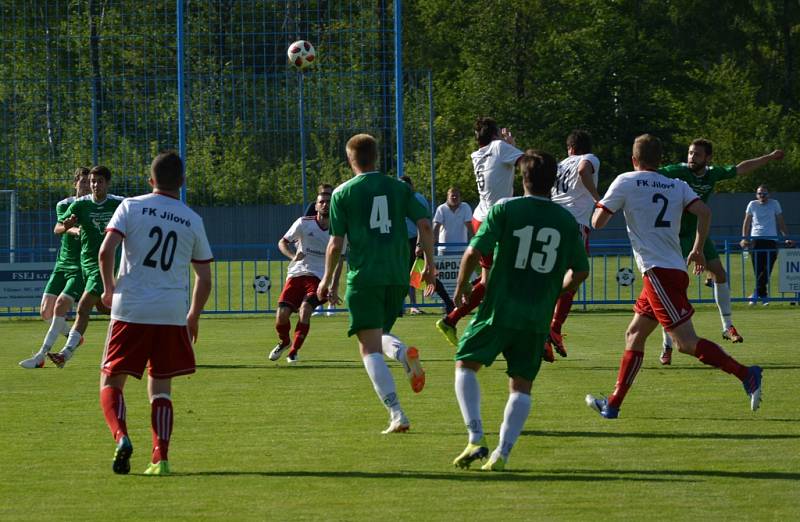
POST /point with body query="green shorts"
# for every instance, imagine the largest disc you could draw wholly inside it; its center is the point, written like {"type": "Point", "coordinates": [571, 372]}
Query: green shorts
{"type": "Point", "coordinates": [522, 349]}
{"type": "Point", "coordinates": [709, 250]}
{"type": "Point", "coordinates": [94, 283]}
{"type": "Point", "coordinates": [374, 307]}
{"type": "Point", "coordinates": [67, 281]}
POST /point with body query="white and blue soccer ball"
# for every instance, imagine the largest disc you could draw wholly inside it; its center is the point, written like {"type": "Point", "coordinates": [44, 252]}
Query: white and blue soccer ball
{"type": "Point", "coordinates": [262, 284]}
{"type": "Point", "coordinates": [625, 276]}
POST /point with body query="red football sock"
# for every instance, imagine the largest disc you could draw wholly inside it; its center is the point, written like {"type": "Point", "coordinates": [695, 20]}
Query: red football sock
{"type": "Point", "coordinates": [300, 333]}
{"type": "Point", "coordinates": [713, 355]}
{"type": "Point", "coordinates": [563, 306]}
{"type": "Point", "coordinates": [478, 289]}
{"type": "Point", "coordinates": [161, 426]}
{"type": "Point", "coordinates": [113, 404]}
{"type": "Point", "coordinates": [628, 368]}
{"type": "Point", "coordinates": [283, 333]}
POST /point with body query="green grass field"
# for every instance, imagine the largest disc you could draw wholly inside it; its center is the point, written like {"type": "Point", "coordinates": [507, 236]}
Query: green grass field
{"type": "Point", "coordinates": [258, 440]}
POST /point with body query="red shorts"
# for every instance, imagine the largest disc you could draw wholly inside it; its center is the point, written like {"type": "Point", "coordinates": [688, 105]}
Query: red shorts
{"type": "Point", "coordinates": [664, 297]}
{"type": "Point", "coordinates": [130, 346]}
{"type": "Point", "coordinates": [486, 260]}
{"type": "Point", "coordinates": [299, 289]}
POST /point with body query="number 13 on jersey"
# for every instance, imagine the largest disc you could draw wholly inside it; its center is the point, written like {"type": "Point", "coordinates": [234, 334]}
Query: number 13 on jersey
{"type": "Point", "coordinates": [541, 261]}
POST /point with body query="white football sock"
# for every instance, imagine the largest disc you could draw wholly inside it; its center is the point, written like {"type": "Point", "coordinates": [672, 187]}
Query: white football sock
{"type": "Point", "coordinates": [468, 393]}
{"type": "Point", "coordinates": [56, 326]}
{"type": "Point", "coordinates": [666, 338]}
{"type": "Point", "coordinates": [66, 328]}
{"type": "Point", "coordinates": [722, 295]}
{"type": "Point", "coordinates": [73, 340]}
{"type": "Point", "coordinates": [382, 382]}
{"type": "Point", "coordinates": [516, 413]}
{"type": "Point", "coordinates": [394, 348]}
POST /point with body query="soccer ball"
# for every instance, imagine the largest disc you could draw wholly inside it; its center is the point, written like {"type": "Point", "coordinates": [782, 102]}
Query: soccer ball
{"type": "Point", "coordinates": [301, 54]}
{"type": "Point", "coordinates": [625, 276]}
{"type": "Point", "coordinates": [262, 284]}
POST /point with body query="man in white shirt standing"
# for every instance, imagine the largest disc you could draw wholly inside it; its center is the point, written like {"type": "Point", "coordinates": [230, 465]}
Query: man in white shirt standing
{"type": "Point", "coordinates": [575, 189]}
{"type": "Point", "coordinates": [494, 164]}
{"type": "Point", "coordinates": [762, 220]}
{"type": "Point", "coordinates": [152, 322]}
{"type": "Point", "coordinates": [653, 204]}
{"type": "Point", "coordinates": [452, 223]}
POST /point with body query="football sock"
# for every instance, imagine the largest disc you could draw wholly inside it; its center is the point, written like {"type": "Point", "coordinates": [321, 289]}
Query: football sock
{"type": "Point", "coordinates": [722, 295]}
{"type": "Point", "coordinates": [113, 404]}
{"type": "Point", "coordinates": [516, 413]}
{"type": "Point", "coordinates": [56, 327]}
{"type": "Point", "coordinates": [475, 299]}
{"type": "Point", "coordinates": [300, 333]}
{"type": "Point", "coordinates": [393, 348]}
{"type": "Point", "coordinates": [283, 333]}
{"type": "Point", "coordinates": [382, 382]}
{"type": "Point", "coordinates": [713, 355]}
{"type": "Point", "coordinates": [161, 425]}
{"type": "Point", "coordinates": [563, 306]}
{"type": "Point", "coordinates": [666, 338]}
{"type": "Point", "coordinates": [629, 367]}
{"type": "Point", "coordinates": [441, 291]}
{"type": "Point", "coordinates": [73, 340]}
{"type": "Point", "coordinates": [468, 394]}
{"type": "Point", "coordinates": [65, 328]}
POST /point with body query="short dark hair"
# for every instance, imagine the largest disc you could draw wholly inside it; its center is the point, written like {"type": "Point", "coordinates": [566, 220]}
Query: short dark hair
{"type": "Point", "coordinates": [647, 150]}
{"type": "Point", "coordinates": [79, 173]}
{"type": "Point", "coordinates": [100, 170]}
{"type": "Point", "coordinates": [706, 144]}
{"type": "Point", "coordinates": [580, 141]}
{"type": "Point", "coordinates": [485, 130]}
{"type": "Point", "coordinates": [324, 187]}
{"type": "Point", "coordinates": [167, 170]}
{"type": "Point", "coordinates": [538, 171]}
{"type": "Point", "coordinates": [364, 150]}
{"type": "Point", "coordinates": [406, 179]}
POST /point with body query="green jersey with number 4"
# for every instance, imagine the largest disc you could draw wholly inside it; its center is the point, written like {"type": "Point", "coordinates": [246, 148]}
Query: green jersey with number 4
{"type": "Point", "coordinates": [370, 210]}
{"type": "Point", "coordinates": [702, 185]}
{"type": "Point", "coordinates": [535, 241]}
{"type": "Point", "coordinates": [92, 218]}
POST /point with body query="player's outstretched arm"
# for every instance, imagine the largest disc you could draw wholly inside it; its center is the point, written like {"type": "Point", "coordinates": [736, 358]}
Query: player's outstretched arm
{"type": "Point", "coordinates": [425, 237]}
{"type": "Point", "coordinates": [601, 217]}
{"type": "Point", "coordinates": [469, 262]}
{"type": "Point", "coordinates": [106, 260]}
{"type": "Point", "coordinates": [202, 289]}
{"type": "Point", "coordinates": [332, 256]}
{"type": "Point", "coordinates": [752, 164]}
{"type": "Point", "coordinates": [703, 213]}
{"type": "Point", "coordinates": [586, 172]}
{"type": "Point", "coordinates": [573, 280]}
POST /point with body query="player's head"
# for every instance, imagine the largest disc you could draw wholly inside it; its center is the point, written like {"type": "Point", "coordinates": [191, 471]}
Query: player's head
{"type": "Point", "coordinates": [362, 153]}
{"type": "Point", "coordinates": [486, 131]}
{"type": "Point", "coordinates": [99, 179]}
{"type": "Point", "coordinates": [762, 193]}
{"type": "Point", "coordinates": [579, 142]}
{"type": "Point", "coordinates": [453, 196]}
{"type": "Point", "coordinates": [324, 188]}
{"type": "Point", "coordinates": [538, 172]}
{"type": "Point", "coordinates": [646, 152]}
{"type": "Point", "coordinates": [323, 205]}
{"type": "Point", "coordinates": [699, 156]}
{"type": "Point", "coordinates": [407, 181]}
{"type": "Point", "coordinates": [80, 180]}
{"type": "Point", "coordinates": [166, 171]}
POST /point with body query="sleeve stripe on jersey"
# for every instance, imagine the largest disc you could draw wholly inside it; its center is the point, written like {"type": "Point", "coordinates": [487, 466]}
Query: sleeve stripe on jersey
{"type": "Point", "coordinates": [605, 208]}
{"type": "Point", "coordinates": [692, 202]}
{"type": "Point", "coordinates": [203, 261]}
{"type": "Point", "coordinates": [115, 230]}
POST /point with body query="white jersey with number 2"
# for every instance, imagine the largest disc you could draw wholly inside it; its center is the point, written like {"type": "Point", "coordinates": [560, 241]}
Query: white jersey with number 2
{"type": "Point", "coordinates": [652, 205]}
{"type": "Point", "coordinates": [494, 174]}
{"type": "Point", "coordinates": [161, 237]}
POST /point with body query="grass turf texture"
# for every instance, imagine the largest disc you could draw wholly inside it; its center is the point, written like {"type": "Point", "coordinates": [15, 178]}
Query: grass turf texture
{"type": "Point", "coordinates": [259, 440]}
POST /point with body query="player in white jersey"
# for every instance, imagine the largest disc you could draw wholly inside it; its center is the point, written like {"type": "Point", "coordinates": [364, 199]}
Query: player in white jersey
{"type": "Point", "coordinates": [494, 164]}
{"type": "Point", "coordinates": [653, 205]}
{"type": "Point", "coordinates": [576, 190]}
{"type": "Point", "coordinates": [153, 323]}
{"type": "Point", "coordinates": [310, 236]}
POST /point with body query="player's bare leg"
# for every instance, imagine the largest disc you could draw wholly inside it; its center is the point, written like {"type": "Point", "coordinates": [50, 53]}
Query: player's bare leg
{"type": "Point", "coordinates": [47, 306]}
{"type": "Point", "coordinates": [282, 326]}
{"type": "Point", "coordinates": [408, 356]}
{"type": "Point", "coordinates": [112, 402]}
{"type": "Point", "coordinates": [161, 418]}
{"type": "Point", "coordinates": [75, 337]}
{"type": "Point", "coordinates": [370, 347]}
{"type": "Point", "coordinates": [722, 296]}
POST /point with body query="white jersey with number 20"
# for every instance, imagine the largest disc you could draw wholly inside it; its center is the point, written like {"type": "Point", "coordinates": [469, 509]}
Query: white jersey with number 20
{"type": "Point", "coordinates": [652, 205]}
{"type": "Point", "coordinates": [161, 237]}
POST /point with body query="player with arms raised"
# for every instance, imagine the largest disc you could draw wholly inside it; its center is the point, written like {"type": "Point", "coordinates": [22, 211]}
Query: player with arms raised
{"type": "Point", "coordinates": [653, 204]}
{"type": "Point", "coordinates": [152, 322]}
{"type": "Point", "coordinates": [493, 163]}
{"type": "Point", "coordinates": [539, 254]}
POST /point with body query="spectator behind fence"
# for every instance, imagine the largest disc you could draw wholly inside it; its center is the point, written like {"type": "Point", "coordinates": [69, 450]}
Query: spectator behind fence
{"type": "Point", "coordinates": [452, 222]}
{"type": "Point", "coordinates": [762, 220]}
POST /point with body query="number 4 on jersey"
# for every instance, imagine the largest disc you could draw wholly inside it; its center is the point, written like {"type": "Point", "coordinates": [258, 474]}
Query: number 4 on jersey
{"type": "Point", "coordinates": [379, 215]}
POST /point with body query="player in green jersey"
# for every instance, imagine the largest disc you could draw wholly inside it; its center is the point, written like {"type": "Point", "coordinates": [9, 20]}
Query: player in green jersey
{"type": "Point", "coordinates": [538, 255]}
{"type": "Point", "coordinates": [65, 285]}
{"type": "Point", "coordinates": [90, 213]}
{"type": "Point", "coordinates": [370, 210]}
{"type": "Point", "coordinates": [699, 174]}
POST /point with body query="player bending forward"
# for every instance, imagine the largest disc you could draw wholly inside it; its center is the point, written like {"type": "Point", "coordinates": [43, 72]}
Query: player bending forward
{"type": "Point", "coordinates": [652, 205]}
{"type": "Point", "coordinates": [310, 237]}
{"type": "Point", "coordinates": [370, 210]}
{"type": "Point", "coordinates": [152, 323]}
{"type": "Point", "coordinates": [539, 254]}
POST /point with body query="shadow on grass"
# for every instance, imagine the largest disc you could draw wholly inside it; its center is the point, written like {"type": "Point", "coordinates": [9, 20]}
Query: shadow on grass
{"type": "Point", "coordinates": [312, 365]}
{"type": "Point", "coordinates": [685, 473]}
{"type": "Point", "coordinates": [663, 435]}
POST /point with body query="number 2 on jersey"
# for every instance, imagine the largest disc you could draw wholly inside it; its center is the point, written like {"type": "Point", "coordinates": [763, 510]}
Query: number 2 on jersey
{"type": "Point", "coordinates": [167, 249]}
{"type": "Point", "coordinates": [544, 261]}
{"type": "Point", "coordinates": [379, 215]}
{"type": "Point", "coordinates": [660, 221]}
